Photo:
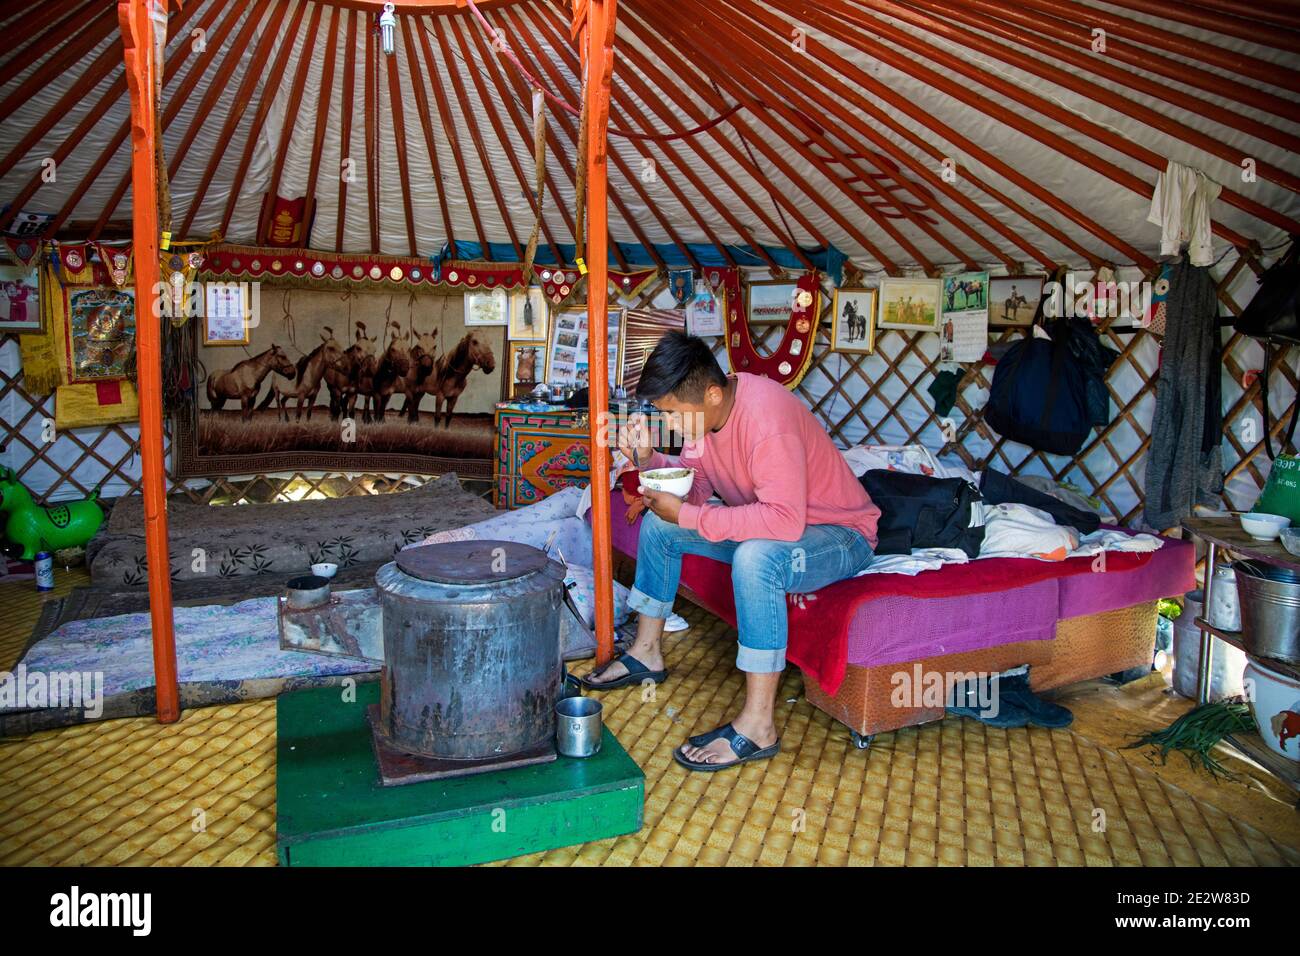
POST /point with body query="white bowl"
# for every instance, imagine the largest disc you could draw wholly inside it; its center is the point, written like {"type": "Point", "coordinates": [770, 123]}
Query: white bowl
{"type": "Point", "coordinates": [1263, 527]}
{"type": "Point", "coordinates": [325, 569]}
{"type": "Point", "coordinates": [1291, 540]}
{"type": "Point", "coordinates": [656, 479]}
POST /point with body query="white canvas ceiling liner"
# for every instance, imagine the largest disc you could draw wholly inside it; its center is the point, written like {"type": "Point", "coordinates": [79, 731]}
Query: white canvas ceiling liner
{"type": "Point", "coordinates": [1054, 148]}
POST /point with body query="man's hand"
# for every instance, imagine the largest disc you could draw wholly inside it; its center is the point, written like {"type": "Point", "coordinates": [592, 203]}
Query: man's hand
{"type": "Point", "coordinates": [634, 440]}
{"type": "Point", "coordinates": [662, 503]}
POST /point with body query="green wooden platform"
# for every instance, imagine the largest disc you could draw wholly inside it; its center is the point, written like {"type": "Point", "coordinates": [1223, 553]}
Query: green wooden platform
{"type": "Point", "coordinates": [332, 811]}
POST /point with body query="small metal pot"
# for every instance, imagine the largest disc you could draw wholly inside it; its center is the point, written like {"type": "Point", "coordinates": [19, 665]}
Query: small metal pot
{"type": "Point", "coordinates": [306, 592]}
{"type": "Point", "coordinates": [578, 726]}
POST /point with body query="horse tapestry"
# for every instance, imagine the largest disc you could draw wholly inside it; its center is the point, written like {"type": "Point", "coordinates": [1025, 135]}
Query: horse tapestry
{"type": "Point", "coordinates": [347, 381]}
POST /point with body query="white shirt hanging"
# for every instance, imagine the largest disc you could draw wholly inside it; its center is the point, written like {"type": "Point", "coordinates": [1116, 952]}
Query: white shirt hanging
{"type": "Point", "coordinates": [1180, 206]}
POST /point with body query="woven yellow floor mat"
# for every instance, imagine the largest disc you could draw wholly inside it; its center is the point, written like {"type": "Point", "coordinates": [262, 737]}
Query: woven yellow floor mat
{"type": "Point", "coordinates": [956, 792]}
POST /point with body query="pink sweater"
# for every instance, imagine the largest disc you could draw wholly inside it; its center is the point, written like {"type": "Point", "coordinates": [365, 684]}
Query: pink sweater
{"type": "Point", "coordinates": [776, 469]}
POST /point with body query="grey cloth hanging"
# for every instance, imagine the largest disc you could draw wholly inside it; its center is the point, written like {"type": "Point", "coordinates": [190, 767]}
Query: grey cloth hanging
{"type": "Point", "coordinates": [1180, 471]}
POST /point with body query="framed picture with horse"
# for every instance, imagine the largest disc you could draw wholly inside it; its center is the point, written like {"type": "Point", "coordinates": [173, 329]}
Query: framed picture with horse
{"type": "Point", "coordinates": [855, 320]}
{"type": "Point", "coordinates": [346, 381]}
{"type": "Point", "coordinates": [1014, 299]}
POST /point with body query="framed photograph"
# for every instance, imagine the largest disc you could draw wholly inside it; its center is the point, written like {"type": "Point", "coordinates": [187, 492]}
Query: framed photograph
{"type": "Point", "coordinates": [487, 308]}
{"type": "Point", "coordinates": [910, 304]}
{"type": "Point", "coordinates": [20, 307]}
{"type": "Point", "coordinates": [528, 367]}
{"type": "Point", "coordinates": [705, 316]}
{"type": "Point", "coordinates": [226, 315]}
{"type": "Point", "coordinates": [568, 352]}
{"type": "Point", "coordinates": [529, 316]}
{"type": "Point", "coordinates": [1013, 300]}
{"type": "Point", "coordinates": [770, 302]}
{"type": "Point", "coordinates": [854, 318]}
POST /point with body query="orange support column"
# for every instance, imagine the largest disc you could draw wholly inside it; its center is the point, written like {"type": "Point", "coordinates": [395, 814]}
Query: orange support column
{"type": "Point", "coordinates": [595, 18]}
{"type": "Point", "coordinates": [136, 20]}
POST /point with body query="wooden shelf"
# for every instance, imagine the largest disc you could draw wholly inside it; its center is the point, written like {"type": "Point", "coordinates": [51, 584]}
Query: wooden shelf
{"type": "Point", "coordinates": [1227, 533]}
{"type": "Point", "coordinates": [1253, 746]}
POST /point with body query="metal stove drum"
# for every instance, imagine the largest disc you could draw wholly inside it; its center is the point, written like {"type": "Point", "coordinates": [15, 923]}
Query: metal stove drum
{"type": "Point", "coordinates": [469, 636]}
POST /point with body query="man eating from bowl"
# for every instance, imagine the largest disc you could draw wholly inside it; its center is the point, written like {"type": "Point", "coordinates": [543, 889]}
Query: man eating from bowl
{"type": "Point", "coordinates": [792, 519]}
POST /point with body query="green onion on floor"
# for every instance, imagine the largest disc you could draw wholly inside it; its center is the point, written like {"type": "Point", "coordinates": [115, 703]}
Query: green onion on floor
{"type": "Point", "coordinates": [1198, 732]}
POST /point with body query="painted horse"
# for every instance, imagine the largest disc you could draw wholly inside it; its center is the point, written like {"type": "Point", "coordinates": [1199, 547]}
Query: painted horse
{"type": "Point", "coordinates": [343, 378]}
{"type": "Point", "coordinates": [242, 382]}
{"type": "Point", "coordinates": [450, 373]}
{"type": "Point", "coordinates": [310, 374]}
{"type": "Point", "coordinates": [36, 528]}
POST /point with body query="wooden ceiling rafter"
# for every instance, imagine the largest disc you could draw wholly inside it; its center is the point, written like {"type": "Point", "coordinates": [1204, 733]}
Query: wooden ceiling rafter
{"type": "Point", "coordinates": [430, 141]}
{"type": "Point", "coordinates": [620, 99]}
{"type": "Point", "coordinates": [458, 152]}
{"type": "Point", "coordinates": [1283, 14]}
{"type": "Point", "coordinates": [775, 71]}
{"type": "Point", "coordinates": [522, 125]}
{"type": "Point", "coordinates": [569, 125]}
{"type": "Point", "coordinates": [1078, 36]}
{"type": "Point", "coordinates": [347, 96]}
{"type": "Point", "coordinates": [88, 122]}
{"type": "Point", "coordinates": [453, 27]}
{"type": "Point", "coordinates": [689, 104]}
{"type": "Point", "coordinates": [875, 26]}
{"type": "Point", "coordinates": [1056, 50]}
{"type": "Point", "coordinates": [26, 26]}
{"type": "Point", "coordinates": [238, 106]}
{"type": "Point", "coordinates": [872, 48]}
{"type": "Point", "coordinates": [1233, 26]}
{"type": "Point", "coordinates": [325, 95]}
{"type": "Point", "coordinates": [558, 120]}
{"type": "Point", "coordinates": [1075, 82]}
{"type": "Point", "coordinates": [476, 135]}
{"type": "Point", "coordinates": [77, 37]}
{"type": "Point", "coordinates": [174, 103]}
{"type": "Point", "coordinates": [107, 61]}
{"type": "Point", "coordinates": [369, 106]}
{"type": "Point", "coordinates": [855, 86]}
{"type": "Point", "coordinates": [229, 61]}
{"type": "Point", "coordinates": [1173, 42]}
{"type": "Point", "coordinates": [759, 143]}
{"type": "Point", "coordinates": [289, 127]}
{"type": "Point", "coordinates": [268, 90]}
{"type": "Point", "coordinates": [399, 141]}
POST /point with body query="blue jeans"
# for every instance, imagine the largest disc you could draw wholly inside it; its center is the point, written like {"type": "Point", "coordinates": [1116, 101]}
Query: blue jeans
{"type": "Point", "coordinates": [763, 572]}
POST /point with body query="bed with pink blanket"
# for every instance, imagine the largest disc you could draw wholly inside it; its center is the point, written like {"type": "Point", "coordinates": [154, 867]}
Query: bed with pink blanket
{"type": "Point", "coordinates": [1068, 620]}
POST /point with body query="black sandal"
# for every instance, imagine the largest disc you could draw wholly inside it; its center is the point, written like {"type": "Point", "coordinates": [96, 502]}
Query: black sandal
{"type": "Point", "coordinates": [744, 749]}
{"type": "Point", "coordinates": [636, 673]}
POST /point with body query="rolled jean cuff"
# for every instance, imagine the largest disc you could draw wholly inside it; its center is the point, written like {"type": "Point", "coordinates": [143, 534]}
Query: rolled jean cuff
{"type": "Point", "coordinates": [643, 603]}
{"type": "Point", "coordinates": [760, 660]}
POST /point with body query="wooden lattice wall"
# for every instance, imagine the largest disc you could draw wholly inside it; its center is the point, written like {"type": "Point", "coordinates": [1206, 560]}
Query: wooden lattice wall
{"type": "Point", "coordinates": [879, 398]}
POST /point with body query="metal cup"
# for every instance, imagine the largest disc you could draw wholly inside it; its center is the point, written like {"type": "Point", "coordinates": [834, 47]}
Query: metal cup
{"type": "Point", "coordinates": [578, 726]}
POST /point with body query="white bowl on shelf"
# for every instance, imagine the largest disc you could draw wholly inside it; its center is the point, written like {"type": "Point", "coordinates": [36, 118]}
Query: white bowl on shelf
{"type": "Point", "coordinates": [675, 481]}
{"type": "Point", "coordinates": [1263, 527]}
{"type": "Point", "coordinates": [325, 569]}
{"type": "Point", "coordinates": [1291, 540]}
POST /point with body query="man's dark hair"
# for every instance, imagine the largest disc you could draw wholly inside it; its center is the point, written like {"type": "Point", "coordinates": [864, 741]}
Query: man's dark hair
{"type": "Point", "coordinates": [681, 365]}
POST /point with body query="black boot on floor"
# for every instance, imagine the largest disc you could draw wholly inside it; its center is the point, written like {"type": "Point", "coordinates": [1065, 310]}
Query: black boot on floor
{"type": "Point", "coordinates": [1014, 691]}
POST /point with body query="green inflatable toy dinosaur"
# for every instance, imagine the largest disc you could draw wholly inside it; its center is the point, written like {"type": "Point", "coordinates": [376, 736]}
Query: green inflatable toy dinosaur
{"type": "Point", "coordinates": [48, 528]}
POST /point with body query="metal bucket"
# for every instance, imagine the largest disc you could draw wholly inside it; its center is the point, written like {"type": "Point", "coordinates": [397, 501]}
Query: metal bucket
{"type": "Point", "coordinates": [1270, 611]}
{"type": "Point", "coordinates": [1227, 661]}
{"type": "Point", "coordinates": [471, 649]}
{"type": "Point", "coordinates": [577, 728]}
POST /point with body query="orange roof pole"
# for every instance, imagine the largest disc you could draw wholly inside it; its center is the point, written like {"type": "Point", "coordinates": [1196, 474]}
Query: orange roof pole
{"type": "Point", "coordinates": [136, 20]}
{"type": "Point", "coordinates": [595, 20]}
